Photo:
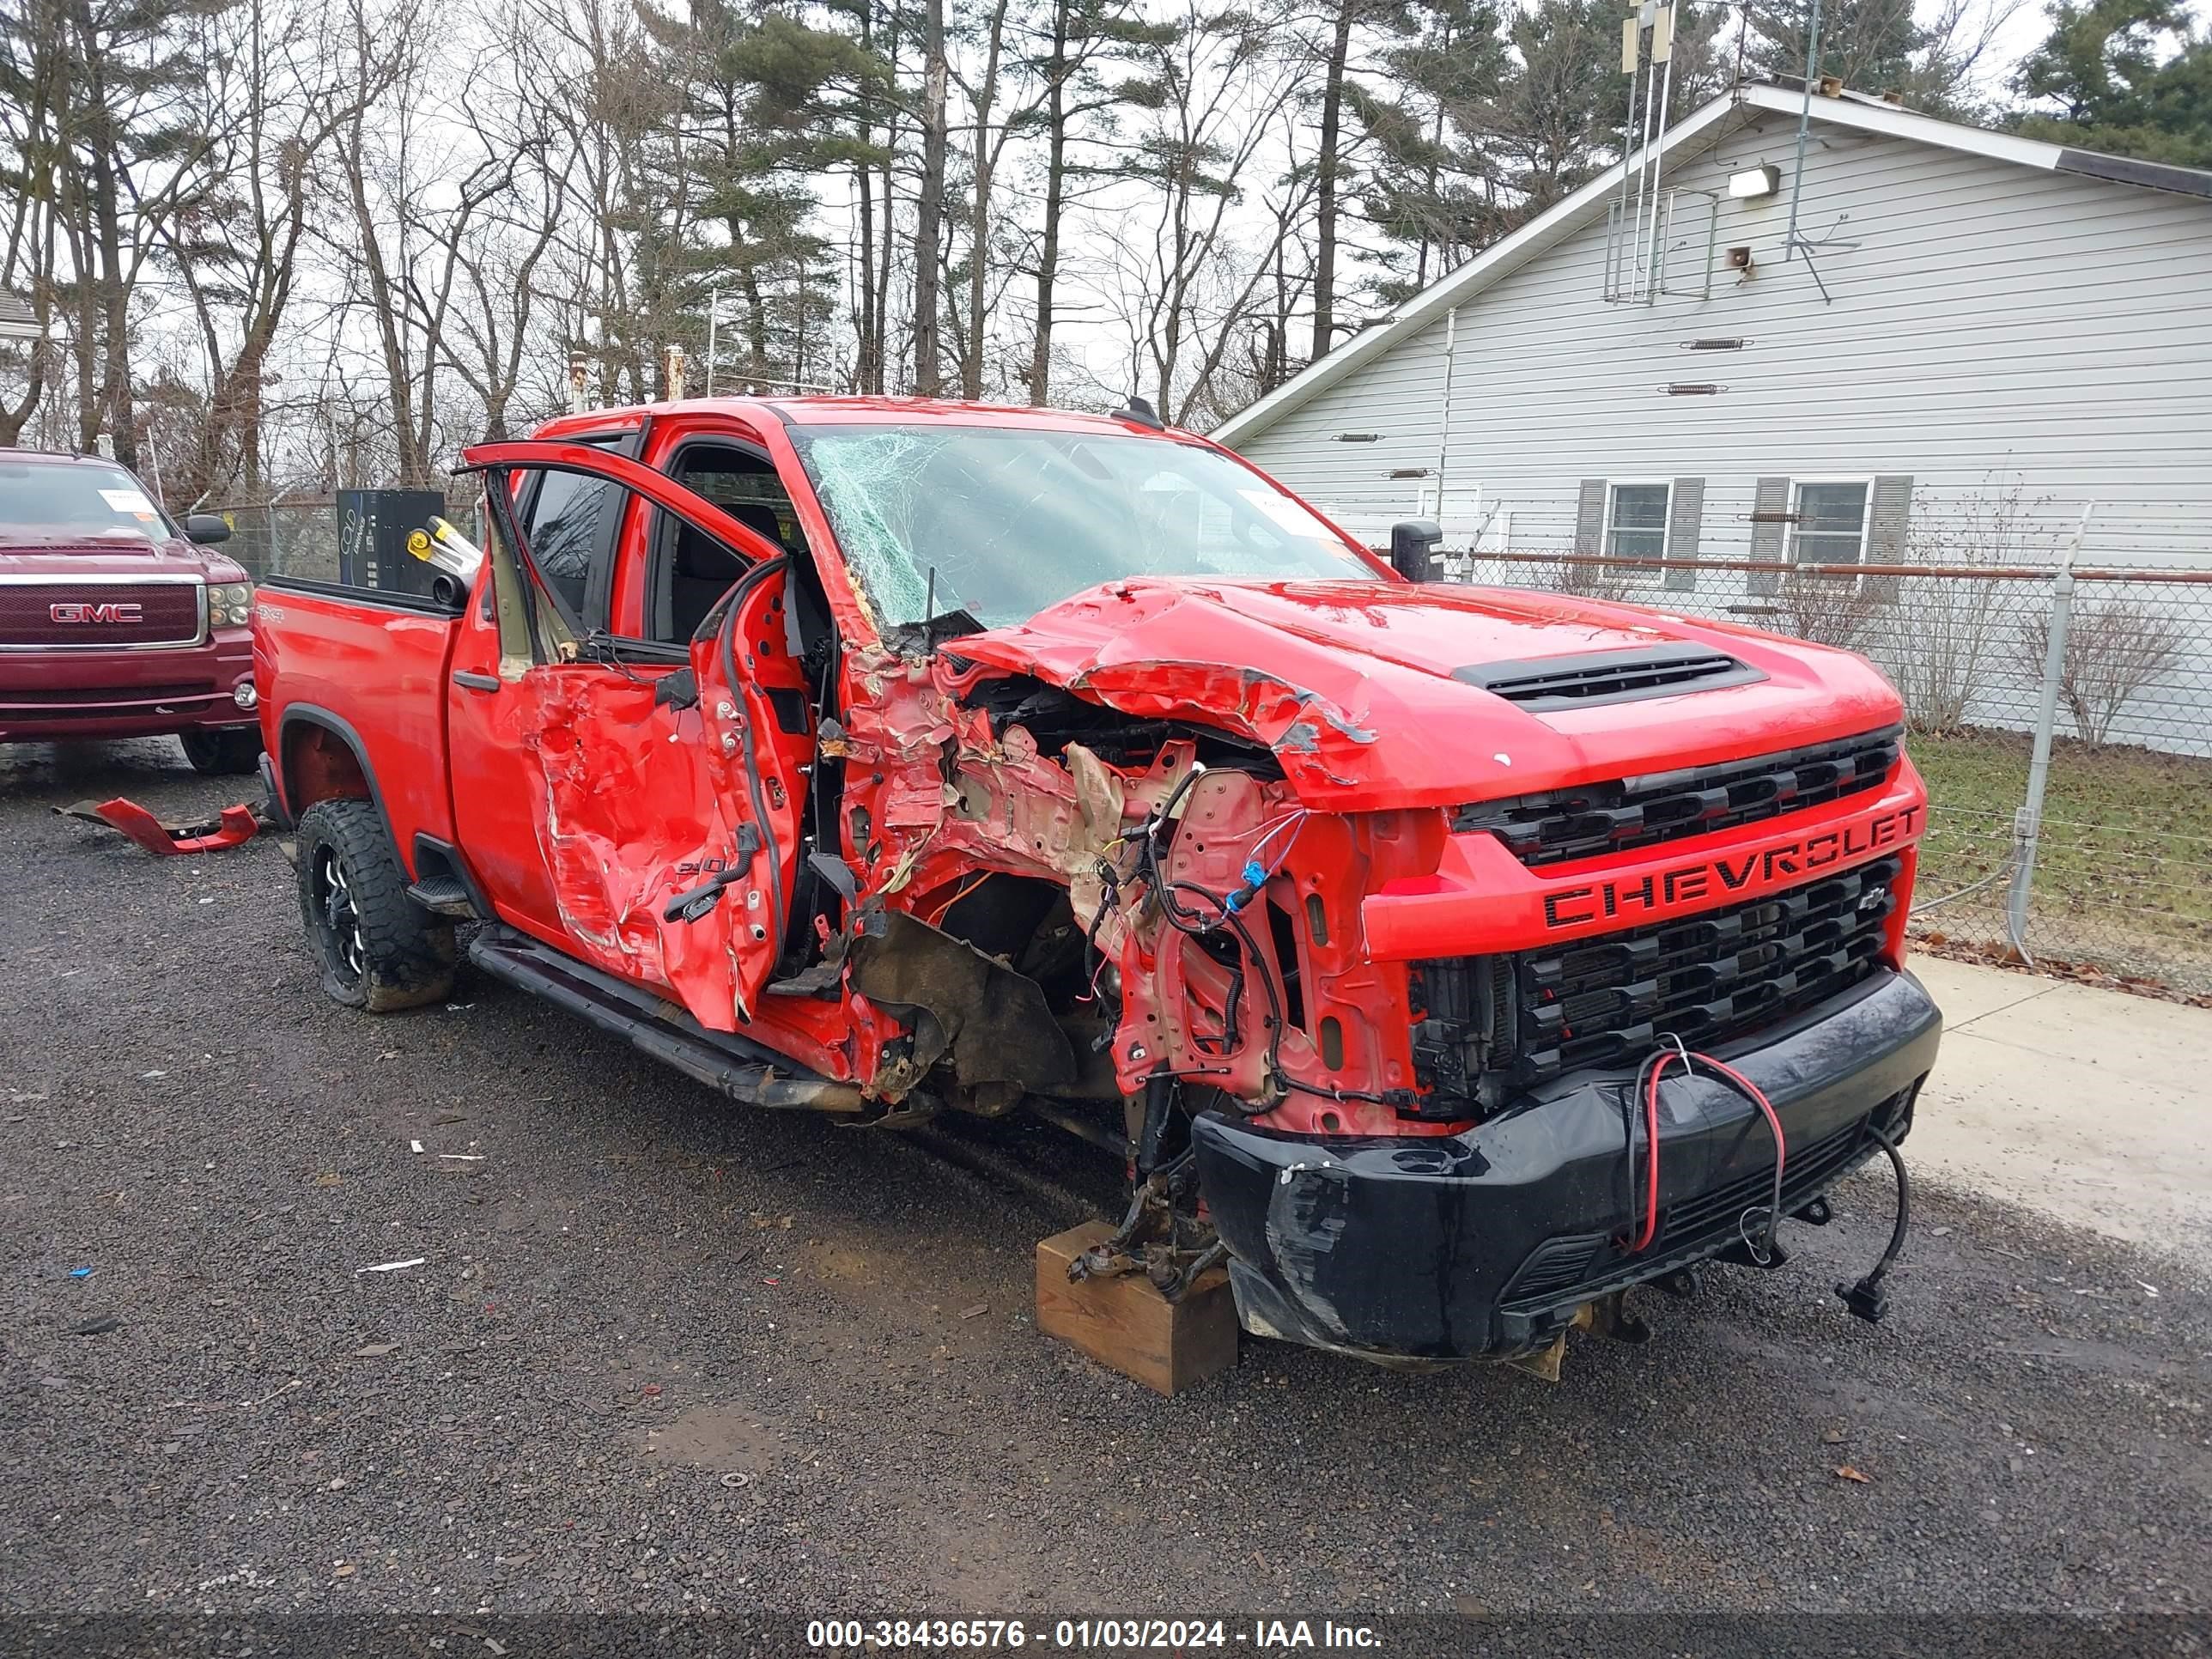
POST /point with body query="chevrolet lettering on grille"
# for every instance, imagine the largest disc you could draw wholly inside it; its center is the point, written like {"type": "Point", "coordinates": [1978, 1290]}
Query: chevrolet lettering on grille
{"type": "Point", "coordinates": [1688, 884]}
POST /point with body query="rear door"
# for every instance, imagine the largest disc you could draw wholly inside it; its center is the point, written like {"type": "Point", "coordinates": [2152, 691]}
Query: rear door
{"type": "Point", "coordinates": [663, 798]}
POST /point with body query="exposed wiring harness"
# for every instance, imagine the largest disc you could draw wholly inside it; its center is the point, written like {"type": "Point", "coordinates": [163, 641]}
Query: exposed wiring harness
{"type": "Point", "coordinates": [1869, 1298]}
{"type": "Point", "coordinates": [1647, 1078]}
{"type": "Point", "coordinates": [1225, 915]}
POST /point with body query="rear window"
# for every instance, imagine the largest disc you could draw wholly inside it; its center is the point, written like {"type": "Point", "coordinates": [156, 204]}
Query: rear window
{"type": "Point", "coordinates": [75, 501]}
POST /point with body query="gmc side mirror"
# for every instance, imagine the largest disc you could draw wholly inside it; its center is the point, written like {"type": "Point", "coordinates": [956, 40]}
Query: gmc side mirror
{"type": "Point", "coordinates": [1413, 548]}
{"type": "Point", "coordinates": [206, 529]}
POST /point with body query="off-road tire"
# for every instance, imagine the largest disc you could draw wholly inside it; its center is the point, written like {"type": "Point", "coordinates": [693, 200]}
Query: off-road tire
{"type": "Point", "coordinates": [224, 752]}
{"type": "Point", "coordinates": [379, 950]}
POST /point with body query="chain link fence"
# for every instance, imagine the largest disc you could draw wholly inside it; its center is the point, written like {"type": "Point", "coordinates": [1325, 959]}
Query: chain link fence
{"type": "Point", "coordinates": [2069, 778]}
{"type": "Point", "coordinates": [285, 538]}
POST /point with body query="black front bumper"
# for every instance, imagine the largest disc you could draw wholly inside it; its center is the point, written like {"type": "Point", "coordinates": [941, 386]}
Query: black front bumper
{"type": "Point", "coordinates": [1482, 1245]}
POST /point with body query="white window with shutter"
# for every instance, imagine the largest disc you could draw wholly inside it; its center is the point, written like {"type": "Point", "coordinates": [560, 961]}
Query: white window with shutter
{"type": "Point", "coordinates": [1831, 521]}
{"type": "Point", "coordinates": [1636, 523]}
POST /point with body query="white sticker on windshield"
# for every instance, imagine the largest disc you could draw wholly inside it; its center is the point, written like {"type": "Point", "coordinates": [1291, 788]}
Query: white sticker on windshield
{"type": "Point", "coordinates": [128, 501]}
{"type": "Point", "coordinates": [1287, 514]}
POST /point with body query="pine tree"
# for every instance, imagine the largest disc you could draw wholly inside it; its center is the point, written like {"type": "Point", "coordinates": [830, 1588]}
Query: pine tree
{"type": "Point", "coordinates": [2132, 77]}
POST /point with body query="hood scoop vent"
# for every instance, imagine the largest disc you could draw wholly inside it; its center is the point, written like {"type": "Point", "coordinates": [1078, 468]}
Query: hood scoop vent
{"type": "Point", "coordinates": [1547, 685]}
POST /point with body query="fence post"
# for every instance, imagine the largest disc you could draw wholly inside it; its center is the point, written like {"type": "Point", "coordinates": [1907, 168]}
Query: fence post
{"type": "Point", "coordinates": [2028, 823]}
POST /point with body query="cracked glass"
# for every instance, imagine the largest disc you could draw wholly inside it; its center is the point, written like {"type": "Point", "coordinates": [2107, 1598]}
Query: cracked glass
{"type": "Point", "coordinates": [1004, 523]}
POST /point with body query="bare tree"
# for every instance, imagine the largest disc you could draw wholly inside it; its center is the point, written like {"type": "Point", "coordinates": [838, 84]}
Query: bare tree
{"type": "Point", "coordinates": [929, 206]}
{"type": "Point", "coordinates": [1217, 92]}
{"type": "Point", "coordinates": [2114, 651]}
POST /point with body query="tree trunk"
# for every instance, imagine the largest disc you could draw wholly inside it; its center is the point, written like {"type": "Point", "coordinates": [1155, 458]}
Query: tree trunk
{"type": "Point", "coordinates": [1055, 190]}
{"type": "Point", "coordinates": [929, 209]}
{"type": "Point", "coordinates": [1332, 110]}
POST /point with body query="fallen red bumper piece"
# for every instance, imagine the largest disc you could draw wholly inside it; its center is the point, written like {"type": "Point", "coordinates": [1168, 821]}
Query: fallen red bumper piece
{"type": "Point", "coordinates": [236, 826]}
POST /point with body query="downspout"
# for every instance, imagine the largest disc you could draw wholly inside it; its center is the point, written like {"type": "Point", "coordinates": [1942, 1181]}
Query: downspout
{"type": "Point", "coordinates": [1443, 439]}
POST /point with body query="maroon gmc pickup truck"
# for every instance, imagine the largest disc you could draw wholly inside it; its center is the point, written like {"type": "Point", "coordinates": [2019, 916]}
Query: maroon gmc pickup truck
{"type": "Point", "coordinates": [116, 622]}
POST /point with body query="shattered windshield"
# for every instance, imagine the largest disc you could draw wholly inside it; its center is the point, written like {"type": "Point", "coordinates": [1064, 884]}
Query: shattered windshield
{"type": "Point", "coordinates": [1011, 521]}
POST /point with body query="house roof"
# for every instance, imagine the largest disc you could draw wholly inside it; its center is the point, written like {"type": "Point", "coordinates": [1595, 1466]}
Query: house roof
{"type": "Point", "coordinates": [1696, 132]}
{"type": "Point", "coordinates": [17, 320]}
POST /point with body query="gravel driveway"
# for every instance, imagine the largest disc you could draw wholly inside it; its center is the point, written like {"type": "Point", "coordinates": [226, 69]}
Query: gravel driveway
{"type": "Point", "coordinates": [663, 1354]}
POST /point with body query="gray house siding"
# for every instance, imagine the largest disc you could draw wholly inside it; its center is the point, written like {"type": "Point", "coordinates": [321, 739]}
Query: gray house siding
{"type": "Point", "coordinates": [2015, 344]}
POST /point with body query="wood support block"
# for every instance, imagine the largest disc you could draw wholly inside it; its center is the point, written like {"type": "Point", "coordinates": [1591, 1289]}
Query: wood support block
{"type": "Point", "coordinates": [1126, 1324]}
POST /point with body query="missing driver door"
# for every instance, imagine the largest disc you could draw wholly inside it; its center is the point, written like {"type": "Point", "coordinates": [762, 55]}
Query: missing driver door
{"type": "Point", "coordinates": [664, 788]}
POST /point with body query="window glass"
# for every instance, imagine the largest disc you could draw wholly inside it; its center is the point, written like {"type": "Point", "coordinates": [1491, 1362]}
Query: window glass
{"type": "Point", "coordinates": [564, 530]}
{"type": "Point", "coordinates": [1639, 533]}
{"type": "Point", "coordinates": [1831, 523]}
{"type": "Point", "coordinates": [743, 486]}
{"type": "Point", "coordinates": [72, 501]}
{"type": "Point", "coordinates": [1011, 521]}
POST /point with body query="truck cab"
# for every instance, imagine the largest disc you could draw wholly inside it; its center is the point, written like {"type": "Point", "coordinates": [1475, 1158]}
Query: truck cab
{"type": "Point", "coordinates": [888, 758]}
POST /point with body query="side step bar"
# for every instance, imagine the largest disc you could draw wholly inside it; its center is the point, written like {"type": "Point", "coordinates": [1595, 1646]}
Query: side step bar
{"type": "Point", "coordinates": [735, 1066]}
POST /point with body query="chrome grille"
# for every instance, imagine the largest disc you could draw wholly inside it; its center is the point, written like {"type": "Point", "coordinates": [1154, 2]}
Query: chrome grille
{"type": "Point", "coordinates": [91, 614]}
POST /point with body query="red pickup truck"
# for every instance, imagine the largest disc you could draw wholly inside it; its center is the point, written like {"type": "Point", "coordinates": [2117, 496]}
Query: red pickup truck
{"type": "Point", "coordinates": [1447, 960]}
{"type": "Point", "coordinates": [114, 623]}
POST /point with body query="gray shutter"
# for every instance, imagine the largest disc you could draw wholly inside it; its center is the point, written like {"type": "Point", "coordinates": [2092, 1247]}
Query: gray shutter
{"type": "Point", "coordinates": [1685, 514]}
{"type": "Point", "coordinates": [1769, 538]}
{"type": "Point", "coordinates": [1892, 510]}
{"type": "Point", "coordinates": [1590, 518]}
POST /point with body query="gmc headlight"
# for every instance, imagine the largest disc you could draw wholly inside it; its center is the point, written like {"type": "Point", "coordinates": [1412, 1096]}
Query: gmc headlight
{"type": "Point", "coordinates": [229, 605]}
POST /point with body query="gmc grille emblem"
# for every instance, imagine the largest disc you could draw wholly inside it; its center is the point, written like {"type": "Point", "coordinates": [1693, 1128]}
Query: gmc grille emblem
{"type": "Point", "coordinates": [113, 611]}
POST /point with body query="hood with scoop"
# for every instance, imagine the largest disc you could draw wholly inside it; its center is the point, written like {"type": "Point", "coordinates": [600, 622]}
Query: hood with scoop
{"type": "Point", "coordinates": [1375, 695]}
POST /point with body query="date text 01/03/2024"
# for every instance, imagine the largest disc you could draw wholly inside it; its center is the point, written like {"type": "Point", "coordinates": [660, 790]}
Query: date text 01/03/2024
{"type": "Point", "coordinates": [1090, 1635]}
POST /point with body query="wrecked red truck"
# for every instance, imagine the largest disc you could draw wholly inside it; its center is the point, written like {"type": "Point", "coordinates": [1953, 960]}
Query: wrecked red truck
{"type": "Point", "coordinates": [1449, 960]}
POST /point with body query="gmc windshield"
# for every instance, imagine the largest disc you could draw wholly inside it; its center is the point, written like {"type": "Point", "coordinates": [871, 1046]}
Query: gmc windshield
{"type": "Point", "coordinates": [1012, 521]}
{"type": "Point", "coordinates": [71, 501]}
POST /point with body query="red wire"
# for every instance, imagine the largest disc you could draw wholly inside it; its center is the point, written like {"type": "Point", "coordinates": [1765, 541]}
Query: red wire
{"type": "Point", "coordinates": [1643, 1239]}
{"type": "Point", "coordinates": [1773, 1118]}
{"type": "Point", "coordinates": [1651, 1227]}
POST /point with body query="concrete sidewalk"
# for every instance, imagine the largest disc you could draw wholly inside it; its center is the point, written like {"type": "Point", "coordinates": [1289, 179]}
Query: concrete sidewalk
{"type": "Point", "coordinates": [2091, 1105]}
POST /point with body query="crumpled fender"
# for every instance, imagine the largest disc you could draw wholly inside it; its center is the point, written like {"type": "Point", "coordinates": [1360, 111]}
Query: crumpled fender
{"type": "Point", "coordinates": [236, 826]}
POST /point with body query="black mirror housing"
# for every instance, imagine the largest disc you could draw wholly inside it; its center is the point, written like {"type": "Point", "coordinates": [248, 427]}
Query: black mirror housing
{"type": "Point", "coordinates": [1413, 546]}
{"type": "Point", "coordinates": [206, 529]}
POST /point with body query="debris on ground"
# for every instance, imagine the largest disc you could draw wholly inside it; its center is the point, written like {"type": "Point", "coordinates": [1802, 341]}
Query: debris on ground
{"type": "Point", "coordinates": [392, 1267]}
{"type": "Point", "coordinates": [1846, 1472]}
{"type": "Point", "coordinates": [99, 1327]}
{"type": "Point", "coordinates": [234, 826]}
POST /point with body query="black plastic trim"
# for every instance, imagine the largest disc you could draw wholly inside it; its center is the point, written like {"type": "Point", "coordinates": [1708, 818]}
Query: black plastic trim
{"type": "Point", "coordinates": [389, 599]}
{"type": "Point", "coordinates": [1408, 1247]}
{"type": "Point", "coordinates": [457, 865]}
{"type": "Point", "coordinates": [734, 1066]}
{"type": "Point", "coordinates": [1598, 680]}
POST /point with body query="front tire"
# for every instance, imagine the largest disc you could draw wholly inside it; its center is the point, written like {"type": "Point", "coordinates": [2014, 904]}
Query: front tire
{"type": "Point", "coordinates": [378, 949]}
{"type": "Point", "coordinates": [222, 752]}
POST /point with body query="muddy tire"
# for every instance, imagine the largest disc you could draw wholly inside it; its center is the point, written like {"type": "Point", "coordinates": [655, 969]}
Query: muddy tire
{"type": "Point", "coordinates": [379, 950]}
{"type": "Point", "coordinates": [223, 753]}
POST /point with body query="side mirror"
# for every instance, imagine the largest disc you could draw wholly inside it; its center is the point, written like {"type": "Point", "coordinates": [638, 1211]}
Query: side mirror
{"type": "Point", "coordinates": [206, 529]}
{"type": "Point", "coordinates": [1413, 548]}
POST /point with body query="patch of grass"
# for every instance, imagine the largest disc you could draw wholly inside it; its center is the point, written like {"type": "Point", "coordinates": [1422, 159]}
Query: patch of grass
{"type": "Point", "coordinates": [2123, 870]}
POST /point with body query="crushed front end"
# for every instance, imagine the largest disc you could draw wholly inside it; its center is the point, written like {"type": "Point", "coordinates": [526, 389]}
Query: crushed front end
{"type": "Point", "coordinates": [1377, 954]}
